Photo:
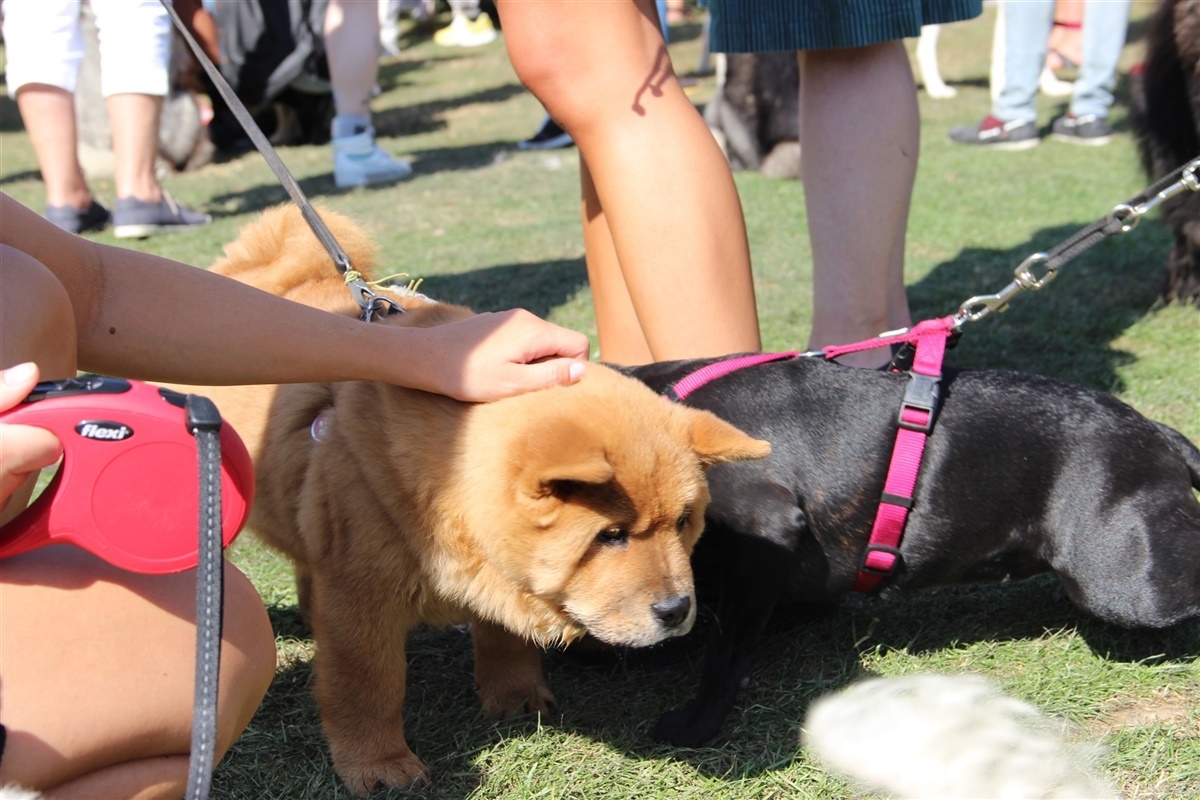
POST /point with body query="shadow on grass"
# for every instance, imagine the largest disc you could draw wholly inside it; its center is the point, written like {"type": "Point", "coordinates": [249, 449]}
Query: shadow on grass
{"type": "Point", "coordinates": [1065, 330]}
{"type": "Point", "coordinates": [10, 116]}
{"type": "Point", "coordinates": [468, 157]}
{"type": "Point", "coordinates": [419, 118]}
{"type": "Point", "coordinates": [538, 287]}
{"type": "Point", "coordinates": [18, 177]}
{"type": "Point", "coordinates": [802, 657]}
{"type": "Point", "coordinates": [425, 163]}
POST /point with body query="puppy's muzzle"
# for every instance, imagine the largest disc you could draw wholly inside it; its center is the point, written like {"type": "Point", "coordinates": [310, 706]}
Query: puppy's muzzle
{"type": "Point", "coordinates": [673, 612]}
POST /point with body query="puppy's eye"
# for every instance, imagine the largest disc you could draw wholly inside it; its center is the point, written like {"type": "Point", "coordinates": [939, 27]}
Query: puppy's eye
{"type": "Point", "coordinates": [613, 535]}
{"type": "Point", "coordinates": [682, 522]}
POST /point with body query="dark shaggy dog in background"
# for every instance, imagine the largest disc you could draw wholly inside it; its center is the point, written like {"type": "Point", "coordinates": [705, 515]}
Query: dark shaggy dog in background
{"type": "Point", "coordinates": [755, 114]}
{"type": "Point", "coordinates": [1167, 122]}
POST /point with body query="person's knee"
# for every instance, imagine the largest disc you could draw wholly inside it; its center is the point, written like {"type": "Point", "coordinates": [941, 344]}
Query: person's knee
{"type": "Point", "coordinates": [566, 76]}
{"type": "Point", "coordinates": [248, 660]}
{"type": "Point", "coordinates": [38, 321]}
{"type": "Point", "coordinates": [549, 76]}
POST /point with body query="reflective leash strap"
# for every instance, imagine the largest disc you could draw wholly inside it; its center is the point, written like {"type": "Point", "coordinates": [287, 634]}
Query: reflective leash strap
{"type": "Point", "coordinates": [1121, 219]}
{"type": "Point", "coordinates": [204, 423]}
{"type": "Point", "coordinates": [370, 302]}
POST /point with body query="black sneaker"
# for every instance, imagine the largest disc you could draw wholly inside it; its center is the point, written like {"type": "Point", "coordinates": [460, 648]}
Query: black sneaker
{"type": "Point", "coordinates": [137, 219]}
{"type": "Point", "coordinates": [1089, 130]}
{"type": "Point", "coordinates": [93, 218]}
{"type": "Point", "coordinates": [996, 134]}
{"type": "Point", "coordinates": [549, 137]}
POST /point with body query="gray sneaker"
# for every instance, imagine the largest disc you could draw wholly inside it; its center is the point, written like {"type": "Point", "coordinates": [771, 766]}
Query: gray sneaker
{"type": "Point", "coordinates": [1088, 130]}
{"type": "Point", "coordinates": [137, 219]}
{"type": "Point", "coordinates": [93, 218]}
{"type": "Point", "coordinates": [996, 134]}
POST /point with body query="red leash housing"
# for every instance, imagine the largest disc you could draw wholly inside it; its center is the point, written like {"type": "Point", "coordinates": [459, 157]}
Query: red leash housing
{"type": "Point", "coordinates": [127, 488]}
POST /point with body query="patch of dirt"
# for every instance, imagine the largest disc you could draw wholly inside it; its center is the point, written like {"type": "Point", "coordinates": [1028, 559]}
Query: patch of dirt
{"type": "Point", "coordinates": [1167, 709]}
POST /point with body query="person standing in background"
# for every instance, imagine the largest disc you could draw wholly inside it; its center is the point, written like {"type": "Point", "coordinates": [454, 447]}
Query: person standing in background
{"type": "Point", "coordinates": [859, 138]}
{"type": "Point", "coordinates": [351, 47]}
{"type": "Point", "coordinates": [44, 44]}
{"type": "Point", "coordinates": [1012, 123]}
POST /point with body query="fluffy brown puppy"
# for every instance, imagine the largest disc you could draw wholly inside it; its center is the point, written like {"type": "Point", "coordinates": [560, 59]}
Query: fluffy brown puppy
{"type": "Point", "coordinates": [535, 518]}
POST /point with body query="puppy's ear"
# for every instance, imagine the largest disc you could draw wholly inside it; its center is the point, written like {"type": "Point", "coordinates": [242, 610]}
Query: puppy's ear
{"type": "Point", "coordinates": [716, 441]}
{"type": "Point", "coordinates": [560, 455]}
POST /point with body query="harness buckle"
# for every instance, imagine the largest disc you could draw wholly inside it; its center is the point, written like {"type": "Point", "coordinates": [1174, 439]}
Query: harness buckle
{"type": "Point", "coordinates": [894, 552]}
{"type": "Point", "coordinates": [920, 395]}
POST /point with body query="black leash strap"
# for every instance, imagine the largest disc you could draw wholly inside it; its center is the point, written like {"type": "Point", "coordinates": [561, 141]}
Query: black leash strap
{"type": "Point", "coordinates": [1121, 219]}
{"type": "Point", "coordinates": [370, 302]}
{"type": "Point", "coordinates": [204, 423]}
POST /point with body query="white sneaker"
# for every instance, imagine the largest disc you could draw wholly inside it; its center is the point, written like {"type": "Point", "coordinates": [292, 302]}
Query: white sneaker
{"type": "Point", "coordinates": [357, 161]}
{"type": "Point", "coordinates": [463, 32]}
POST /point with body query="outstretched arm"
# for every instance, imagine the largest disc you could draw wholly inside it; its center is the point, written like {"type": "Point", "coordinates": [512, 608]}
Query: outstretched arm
{"type": "Point", "coordinates": [145, 317]}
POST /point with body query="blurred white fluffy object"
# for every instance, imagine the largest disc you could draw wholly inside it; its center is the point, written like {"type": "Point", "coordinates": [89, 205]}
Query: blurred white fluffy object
{"type": "Point", "coordinates": [934, 736]}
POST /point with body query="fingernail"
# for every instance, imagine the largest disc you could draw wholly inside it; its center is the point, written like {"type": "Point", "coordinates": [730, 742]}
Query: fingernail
{"type": "Point", "coordinates": [20, 374]}
{"type": "Point", "coordinates": [576, 371]}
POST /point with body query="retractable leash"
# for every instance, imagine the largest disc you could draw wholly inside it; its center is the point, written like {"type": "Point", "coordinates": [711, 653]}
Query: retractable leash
{"type": "Point", "coordinates": [128, 448]}
{"type": "Point", "coordinates": [929, 341]}
{"type": "Point", "coordinates": [372, 304]}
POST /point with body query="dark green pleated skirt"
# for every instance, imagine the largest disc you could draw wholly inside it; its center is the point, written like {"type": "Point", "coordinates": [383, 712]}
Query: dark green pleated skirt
{"type": "Point", "coordinates": [759, 26]}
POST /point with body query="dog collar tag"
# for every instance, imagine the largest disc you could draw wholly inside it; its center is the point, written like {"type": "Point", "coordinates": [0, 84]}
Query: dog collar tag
{"type": "Point", "coordinates": [320, 425]}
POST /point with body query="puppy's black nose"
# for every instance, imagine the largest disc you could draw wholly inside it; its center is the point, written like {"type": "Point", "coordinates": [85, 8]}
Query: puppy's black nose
{"type": "Point", "coordinates": [673, 611]}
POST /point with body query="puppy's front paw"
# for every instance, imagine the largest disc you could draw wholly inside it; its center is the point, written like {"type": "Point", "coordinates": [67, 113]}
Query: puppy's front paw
{"type": "Point", "coordinates": [403, 770]}
{"type": "Point", "coordinates": [508, 673]}
{"type": "Point", "coordinates": [503, 700]}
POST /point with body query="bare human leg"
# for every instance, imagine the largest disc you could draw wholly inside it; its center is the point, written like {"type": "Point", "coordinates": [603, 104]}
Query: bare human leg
{"type": "Point", "coordinates": [48, 113]}
{"type": "Point", "coordinates": [860, 133]}
{"type": "Point", "coordinates": [666, 243]}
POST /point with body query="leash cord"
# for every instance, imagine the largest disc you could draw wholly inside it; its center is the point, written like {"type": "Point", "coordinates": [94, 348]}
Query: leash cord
{"type": "Point", "coordinates": [204, 423]}
{"type": "Point", "coordinates": [370, 302]}
{"type": "Point", "coordinates": [1121, 219]}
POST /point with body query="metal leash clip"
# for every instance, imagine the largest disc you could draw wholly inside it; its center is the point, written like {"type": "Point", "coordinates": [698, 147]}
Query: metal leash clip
{"type": "Point", "coordinates": [1122, 219]}
{"type": "Point", "coordinates": [1129, 215]}
{"type": "Point", "coordinates": [371, 303]}
{"type": "Point", "coordinates": [979, 306]}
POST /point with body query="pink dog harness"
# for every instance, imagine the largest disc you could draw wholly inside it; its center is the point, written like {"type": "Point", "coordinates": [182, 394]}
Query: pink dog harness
{"type": "Point", "coordinates": [915, 421]}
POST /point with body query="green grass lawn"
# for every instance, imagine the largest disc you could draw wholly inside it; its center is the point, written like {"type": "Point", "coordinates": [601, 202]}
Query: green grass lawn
{"type": "Point", "coordinates": [493, 227]}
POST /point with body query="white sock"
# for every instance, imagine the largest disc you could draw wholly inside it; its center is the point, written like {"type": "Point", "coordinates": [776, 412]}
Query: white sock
{"type": "Point", "coordinates": [350, 124]}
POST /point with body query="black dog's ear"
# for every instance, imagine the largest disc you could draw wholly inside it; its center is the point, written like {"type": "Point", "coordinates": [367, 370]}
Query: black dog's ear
{"type": "Point", "coordinates": [715, 441]}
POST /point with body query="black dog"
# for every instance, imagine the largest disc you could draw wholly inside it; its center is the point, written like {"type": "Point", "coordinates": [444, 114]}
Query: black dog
{"type": "Point", "coordinates": [1021, 474]}
{"type": "Point", "coordinates": [1167, 122]}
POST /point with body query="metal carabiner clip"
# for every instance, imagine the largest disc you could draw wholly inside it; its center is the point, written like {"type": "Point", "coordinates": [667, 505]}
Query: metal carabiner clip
{"type": "Point", "coordinates": [978, 307]}
{"type": "Point", "coordinates": [1025, 276]}
{"type": "Point", "coordinates": [1129, 215]}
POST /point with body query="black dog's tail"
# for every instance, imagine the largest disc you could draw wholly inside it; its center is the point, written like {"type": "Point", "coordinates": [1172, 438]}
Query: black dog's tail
{"type": "Point", "coordinates": [1186, 450]}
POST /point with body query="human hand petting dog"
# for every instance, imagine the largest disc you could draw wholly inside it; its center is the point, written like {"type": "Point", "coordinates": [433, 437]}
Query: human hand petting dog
{"type": "Point", "coordinates": [24, 450]}
{"type": "Point", "coordinates": [499, 354]}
